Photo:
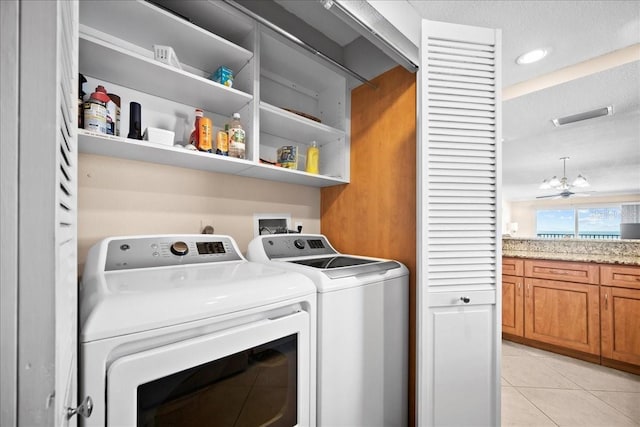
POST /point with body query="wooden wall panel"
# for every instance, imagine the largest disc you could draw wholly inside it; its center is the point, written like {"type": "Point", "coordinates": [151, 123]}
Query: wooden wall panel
{"type": "Point", "coordinates": [375, 214]}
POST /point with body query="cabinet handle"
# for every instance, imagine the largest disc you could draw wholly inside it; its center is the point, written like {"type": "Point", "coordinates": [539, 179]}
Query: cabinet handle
{"type": "Point", "coordinates": [606, 301]}
{"type": "Point", "coordinates": [465, 300]}
{"type": "Point", "coordinates": [528, 289]}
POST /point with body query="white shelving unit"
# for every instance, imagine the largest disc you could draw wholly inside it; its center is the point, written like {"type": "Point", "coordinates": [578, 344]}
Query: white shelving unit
{"type": "Point", "coordinates": [116, 47]}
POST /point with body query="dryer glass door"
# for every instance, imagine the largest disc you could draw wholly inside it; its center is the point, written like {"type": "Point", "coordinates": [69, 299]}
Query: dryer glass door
{"type": "Point", "coordinates": [257, 374]}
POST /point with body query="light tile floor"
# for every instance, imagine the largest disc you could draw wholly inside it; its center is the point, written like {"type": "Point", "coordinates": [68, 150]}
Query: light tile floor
{"type": "Point", "coordinates": [540, 388]}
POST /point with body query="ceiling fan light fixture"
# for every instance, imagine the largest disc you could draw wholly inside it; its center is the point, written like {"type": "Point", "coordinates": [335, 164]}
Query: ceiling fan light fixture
{"type": "Point", "coordinates": [563, 184]}
{"type": "Point", "coordinates": [531, 56]}
{"type": "Point", "coordinates": [598, 112]}
{"type": "Point", "coordinates": [580, 181]}
{"type": "Point", "coordinates": [545, 185]}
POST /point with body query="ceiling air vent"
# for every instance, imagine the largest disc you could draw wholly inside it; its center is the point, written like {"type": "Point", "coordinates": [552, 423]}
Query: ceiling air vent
{"type": "Point", "coordinates": [599, 112]}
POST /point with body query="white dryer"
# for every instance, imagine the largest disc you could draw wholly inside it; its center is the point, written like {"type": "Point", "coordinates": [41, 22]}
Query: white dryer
{"type": "Point", "coordinates": [182, 330]}
{"type": "Point", "coordinates": [363, 324]}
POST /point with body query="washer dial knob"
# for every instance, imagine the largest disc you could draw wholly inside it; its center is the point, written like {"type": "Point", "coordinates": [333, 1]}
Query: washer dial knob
{"type": "Point", "coordinates": [299, 243]}
{"type": "Point", "coordinates": [179, 248]}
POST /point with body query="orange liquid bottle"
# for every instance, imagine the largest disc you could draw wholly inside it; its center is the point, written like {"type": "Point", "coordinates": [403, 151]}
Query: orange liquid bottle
{"type": "Point", "coordinates": [205, 127]}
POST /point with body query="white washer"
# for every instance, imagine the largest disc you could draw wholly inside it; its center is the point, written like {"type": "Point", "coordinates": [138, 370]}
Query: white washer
{"type": "Point", "coordinates": [363, 323]}
{"type": "Point", "coordinates": [182, 329]}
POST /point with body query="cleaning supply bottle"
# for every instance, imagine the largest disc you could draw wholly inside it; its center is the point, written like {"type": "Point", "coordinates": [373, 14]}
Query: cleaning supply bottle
{"type": "Point", "coordinates": [193, 139]}
{"type": "Point", "coordinates": [95, 111]}
{"type": "Point", "coordinates": [313, 157]}
{"type": "Point", "coordinates": [236, 138]}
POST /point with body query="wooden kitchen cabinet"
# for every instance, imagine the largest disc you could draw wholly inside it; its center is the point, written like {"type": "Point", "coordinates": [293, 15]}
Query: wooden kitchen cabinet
{"type": "Point", "coordinates": [586, 310]}
{"type": "Point", "coordinates": [512, 305]}
{"type": "Point", "coordinates": [620, 313]}
{"type": "Point", "coordinates": [564, 314]}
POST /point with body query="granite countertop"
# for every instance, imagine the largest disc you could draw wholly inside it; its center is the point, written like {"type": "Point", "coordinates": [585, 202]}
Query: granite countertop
{"type": "Point", "coordinates": [624, 252]}
{"type": "Point", "coordinates": [598, 258]}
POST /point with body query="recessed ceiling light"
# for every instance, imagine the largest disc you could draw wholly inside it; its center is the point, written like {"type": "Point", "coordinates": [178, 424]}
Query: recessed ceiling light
{"type": "Point", "coordinates": [533, 56]}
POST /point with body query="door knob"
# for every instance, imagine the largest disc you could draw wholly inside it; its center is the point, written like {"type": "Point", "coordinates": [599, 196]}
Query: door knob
{"type": "Point", "coordinates": [85, 408]}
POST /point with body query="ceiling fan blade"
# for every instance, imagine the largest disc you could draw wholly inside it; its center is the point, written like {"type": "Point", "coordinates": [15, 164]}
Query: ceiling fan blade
{"type": "Point", "coordinates": [551, 196]}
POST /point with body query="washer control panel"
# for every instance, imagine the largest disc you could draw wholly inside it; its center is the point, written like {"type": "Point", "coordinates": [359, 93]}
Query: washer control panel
{"type": "Point", "coordinates": [295, 245]}
{"type": "Point", "coordinates": [158, 251]}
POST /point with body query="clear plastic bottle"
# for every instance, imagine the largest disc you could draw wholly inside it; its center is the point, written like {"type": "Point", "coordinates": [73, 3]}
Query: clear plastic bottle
{"type": "Point", "coordinates": [236, 138]}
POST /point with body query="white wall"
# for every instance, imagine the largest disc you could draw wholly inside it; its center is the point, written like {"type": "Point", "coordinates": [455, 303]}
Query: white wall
{"type": "Point", "coordinates": [125, 197]}
{"type": "Point", "coordinates": [524, 213]}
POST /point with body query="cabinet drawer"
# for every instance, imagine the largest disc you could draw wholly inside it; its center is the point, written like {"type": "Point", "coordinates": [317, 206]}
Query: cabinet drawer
{"type": "Point", "coordinates": [578, 272]}
{"type": "Point", "coordinates": [622, 276]}
{"type": "Point", "coordinates": [512, 266]}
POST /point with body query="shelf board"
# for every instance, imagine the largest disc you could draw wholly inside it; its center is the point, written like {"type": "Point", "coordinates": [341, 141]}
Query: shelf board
{"type": "Point", "coordinates": [144, 151]}
{"type": "Point", "coordinates": [104, 61]}
{"type": "Point", "coordinates": [278, 122]}
{"type": "Point", "coordinates": [276, 173]}
{"type": "Point", "coordinates": [144, 25]}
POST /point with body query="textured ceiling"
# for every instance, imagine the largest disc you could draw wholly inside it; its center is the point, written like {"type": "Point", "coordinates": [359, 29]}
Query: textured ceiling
{"type": "Point", "coordinates": [573, 30]}
{"type": "Point", "coordinates": [607, 149]}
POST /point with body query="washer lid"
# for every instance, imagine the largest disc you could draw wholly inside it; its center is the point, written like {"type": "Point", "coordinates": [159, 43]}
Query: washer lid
{"type": "Point", "coordinates": [340, 266]}
{"type": "Point", "coordinates": [129, 301]}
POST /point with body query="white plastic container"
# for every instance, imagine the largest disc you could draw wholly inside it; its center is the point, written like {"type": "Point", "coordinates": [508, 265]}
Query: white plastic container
{"type": "Point", "coordinates": [159, 136]}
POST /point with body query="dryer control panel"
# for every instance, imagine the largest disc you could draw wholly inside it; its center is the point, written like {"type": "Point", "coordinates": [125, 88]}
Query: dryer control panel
{"type": "Point", "coordinates": [296, 245]}
{"type": "Point", "coordinates": [158, 251]}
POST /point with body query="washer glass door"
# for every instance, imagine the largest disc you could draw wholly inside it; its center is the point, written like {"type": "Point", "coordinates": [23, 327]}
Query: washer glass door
{"type": "Point", "coordinates": [256, 374]}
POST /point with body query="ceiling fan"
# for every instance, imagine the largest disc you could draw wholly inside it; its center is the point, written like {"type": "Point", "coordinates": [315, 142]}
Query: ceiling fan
{"type": "Point", "coordinates": [563, 184]}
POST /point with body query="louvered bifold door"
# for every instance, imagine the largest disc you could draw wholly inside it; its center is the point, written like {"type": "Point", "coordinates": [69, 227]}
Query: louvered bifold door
{"type": "Point", "coordinates": [66, 215]}
{"type": "Point", "coordinates": [48, 288]}
{"type": "Point", "coordinates": [459, 227]}
{"type": "Point", "coordinates": [460, 111]}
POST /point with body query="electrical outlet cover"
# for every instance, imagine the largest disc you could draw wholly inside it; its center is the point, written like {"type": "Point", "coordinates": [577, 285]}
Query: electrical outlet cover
{"type": "Point", "coordinates": [268, 223]}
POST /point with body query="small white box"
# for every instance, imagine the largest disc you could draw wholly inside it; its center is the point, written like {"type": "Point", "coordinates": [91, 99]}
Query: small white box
{"type": "Point", "coordinates": [159, 136]}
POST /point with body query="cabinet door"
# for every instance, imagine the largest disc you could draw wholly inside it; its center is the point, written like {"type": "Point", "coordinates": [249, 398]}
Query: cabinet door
{"type": "Point", "coordinates": [463, 372]}
{"type": "Point", "coordinates": [620, 324]}
{"type": "Point", "coordinates": [563, 313]}
{"type": "Point", "coordinates": [512, 306]}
